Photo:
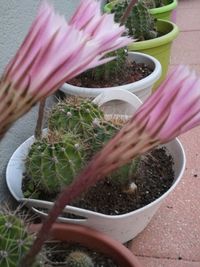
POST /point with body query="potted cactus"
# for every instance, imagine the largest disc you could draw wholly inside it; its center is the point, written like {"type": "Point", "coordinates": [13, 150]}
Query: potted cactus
{"type": "Point", "coordinates": [160, 9]}
{"type": "Point", "coordinates": [17, 237]}
{"type": "Point", "coordinates": [154, 37]}
{"type": "Point", "coordinates": [77, 130]}
{"type": "Point", "coordinates": [134, 72]}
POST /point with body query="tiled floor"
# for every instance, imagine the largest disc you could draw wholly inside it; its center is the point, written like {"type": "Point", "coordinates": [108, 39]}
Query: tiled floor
{"type": "Point", "coordinates": [173, 237]}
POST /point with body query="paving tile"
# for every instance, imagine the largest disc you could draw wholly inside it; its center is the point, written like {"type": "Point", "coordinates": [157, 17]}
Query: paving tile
{"type": "Point", "coordinates": [175, 230]}
{"type": "Point", "coordinates": [151, 262]}
{"type": "Point", "coordinates": [188, 19]}
{"type": "Point", "coordinates": [185, 49]}
{"type": "Point", "coordinates": [196, 68]}
{"type": "Point", "coordinates": [188, 4]}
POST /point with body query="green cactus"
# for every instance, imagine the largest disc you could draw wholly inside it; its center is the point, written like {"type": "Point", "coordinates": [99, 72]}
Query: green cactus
{"type": "Point", "coordinates": [79, 259]}
{"type": "Point", "coordinates": [110, 69]}
{"type": "Point", "coordinates": [152, 3]}
{"type": "Point", "coordinates": [74, 114]}
{"type": "Point", "coordinates": [52, 164]}
{"type": "Point", "coordinates": [103, 132]}
{"type": "Point", "coordinates": [14, 240]}
{"type": "Point", "coordinates": [140, 22]}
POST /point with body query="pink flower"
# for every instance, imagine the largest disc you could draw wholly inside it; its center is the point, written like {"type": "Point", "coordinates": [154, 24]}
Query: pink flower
{"type": "Point", "coordinates": [54, 52]}
{"type": "Point", "coordinates": [174, 108]}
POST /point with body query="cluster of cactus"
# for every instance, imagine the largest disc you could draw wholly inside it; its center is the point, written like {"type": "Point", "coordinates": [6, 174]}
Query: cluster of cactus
{"type": "Point", "coordinates": [110, 69]}
{"type": "Point", "coordinates": [79, 259]}
{"type": "Point", "coordinates": [140, 23]}
{"type": "Point", "coordinates": [14, 240]}
{"type": "Point", "coordinates": [77, 130]}
{"type": "Point", "coordinates": [152, 3]}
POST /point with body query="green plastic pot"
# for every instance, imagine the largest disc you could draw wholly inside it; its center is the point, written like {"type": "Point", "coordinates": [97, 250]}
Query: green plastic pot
{"type": "Point", "coordinates": [159, 47]}
{"type": "Point", "coordinates": [164, 12]}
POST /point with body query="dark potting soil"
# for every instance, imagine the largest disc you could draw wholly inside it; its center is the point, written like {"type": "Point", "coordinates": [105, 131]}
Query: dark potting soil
{"type": "Point", "coordinates": [154, 176]}
{"type": "Point", "coordinates": [58, 252]}
{"type": "Point", "coordinates": [132, 72]}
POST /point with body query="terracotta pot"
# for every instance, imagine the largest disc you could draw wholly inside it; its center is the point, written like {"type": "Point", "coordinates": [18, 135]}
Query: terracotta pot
{"type": "Point", "coordinates": [94, 240]}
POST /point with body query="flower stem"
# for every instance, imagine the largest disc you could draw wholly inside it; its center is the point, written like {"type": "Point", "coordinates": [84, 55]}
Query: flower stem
{"type": "Point", "coordinates": [38, 128]}
{"type": "Point", "coordinates": [128, 11]}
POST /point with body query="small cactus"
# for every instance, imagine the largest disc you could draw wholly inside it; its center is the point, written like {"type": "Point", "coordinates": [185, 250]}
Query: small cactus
{"type": "Point", "coordinates": [140, 23]}
{"type": "Point", "coordinates": [74, 114]}
{"type": "Point", "coordinates": [152, 3]}
{"type": "Point", "coordinates": [51, 165]}
{"type": "Point", "coordinates": [14, 240]}
{"type": "Point", "coordinates": [110, 69]}
{"type": "Point", "coordinates": [79, 259]}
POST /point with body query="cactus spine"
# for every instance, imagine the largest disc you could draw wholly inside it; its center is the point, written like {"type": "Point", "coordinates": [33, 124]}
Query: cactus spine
{"type": "Point", "coordinates": [140, 23]}
{"type": "Point", "coordinates": [79, 259]}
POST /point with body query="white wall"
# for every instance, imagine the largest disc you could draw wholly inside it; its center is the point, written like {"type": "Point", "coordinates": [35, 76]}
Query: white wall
{"type": "Point", "coordinates": [15, 19]}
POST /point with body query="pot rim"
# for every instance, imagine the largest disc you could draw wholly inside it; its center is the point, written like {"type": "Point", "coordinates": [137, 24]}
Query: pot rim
{"type": "Point", "coordinates": [165, 8]}
{"type": "Point", "coordinates": [150, 79]}
{"type": "Point", "coordinates": [92, 239]}
{"type": "Point", "coordinates": [159, 41]}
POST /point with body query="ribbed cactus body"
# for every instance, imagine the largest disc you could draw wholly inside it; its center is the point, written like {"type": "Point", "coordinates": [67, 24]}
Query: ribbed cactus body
{"type": "Point", "coordinates": [74, 115]}
{"type": "Point", "coordinates": [14, 240]}
{"type": "Point", "coordinates": [140, 22]}
{"type": "Point", "coordinates": [52, 165]}
{"type": "Point", "coordinates": [103, 133]}
{"type": "Point", "coordinates": [110, 69]}
{"type": "Point", "coordinates": [79, 259]}
{"type": "Point", "coordinates": [152, 3]}
{"type": "Point", "coordinates": [159, 3]}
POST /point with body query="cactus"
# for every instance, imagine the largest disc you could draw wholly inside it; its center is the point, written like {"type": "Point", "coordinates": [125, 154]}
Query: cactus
{"type": "Point", "coordinates": [14, 240]}
{"type": "Point", "coordinates": [52, 164]}
{"type": "Point", "coordinates": [74, 114]}
{"type": "Point", "coordinates": [152, 3]}
{"type": "Point", "coordinates": [103, 132]}
{"type": "Point", "coordinates": [79, 259]}
{"type": "Point", "coordinates": [140, 23]}
{"type": "Point", "coordinates": [110, 69]}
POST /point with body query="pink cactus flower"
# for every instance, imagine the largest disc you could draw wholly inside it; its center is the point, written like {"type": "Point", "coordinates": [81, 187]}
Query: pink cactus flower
{"type": "Point", "coordinates": [54, 52]}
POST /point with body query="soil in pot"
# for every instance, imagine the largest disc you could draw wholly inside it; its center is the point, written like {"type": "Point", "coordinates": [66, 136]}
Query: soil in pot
{"type": "Point", "coordinates": [130, 73]}
{"type": "Point", "coordinates": [153, 177]}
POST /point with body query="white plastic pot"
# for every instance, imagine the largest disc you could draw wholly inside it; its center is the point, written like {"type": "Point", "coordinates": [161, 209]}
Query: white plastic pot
{"type": "Point", "coordinates": [141, 89]}
{"type": "Point", "coordinates": [121, 227]}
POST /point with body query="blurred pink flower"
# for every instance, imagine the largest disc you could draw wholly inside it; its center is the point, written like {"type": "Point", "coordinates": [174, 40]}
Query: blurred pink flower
{"type": "Point", "coordinates": [174, 108]}
{"type": "Point", "coordinates": [54, 52]}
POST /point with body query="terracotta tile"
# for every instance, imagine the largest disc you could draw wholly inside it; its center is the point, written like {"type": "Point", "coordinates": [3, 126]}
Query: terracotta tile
{"type": "Point", "coordinates": [188, 4]}
{"type": "Point", "coordinates": [175, 230]}
{"type": "Point", "coordinates": [185, 49]}
{"type": "Point", "coordinates": [188, 19]}
{"type": "Point", "coordinates": [196, 68]}
{"type": "Point", "coordinates": [151, 262]}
